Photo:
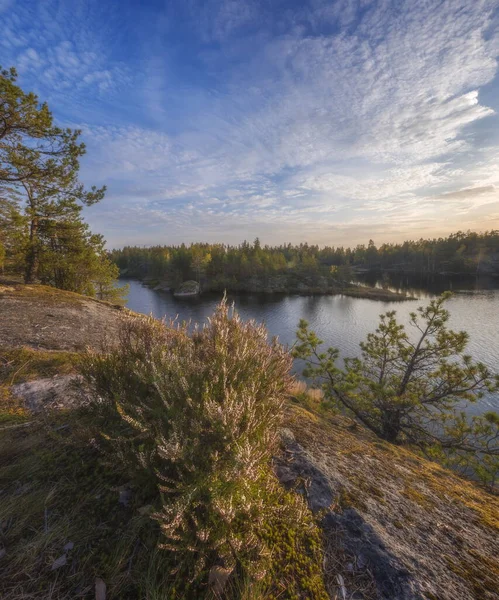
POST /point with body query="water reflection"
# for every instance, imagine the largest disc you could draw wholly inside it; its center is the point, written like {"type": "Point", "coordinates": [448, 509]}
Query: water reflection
{"type": "Point", "coordinates": [426, 285]}
{"type": "Point", "coordinates": [342, 321]}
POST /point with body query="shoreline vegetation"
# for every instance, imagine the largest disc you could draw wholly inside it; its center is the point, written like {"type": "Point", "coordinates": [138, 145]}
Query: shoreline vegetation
{"type": "Point", "coordinates": [306, 269]}
{"type": "Point", "coordinates": [353, 290]}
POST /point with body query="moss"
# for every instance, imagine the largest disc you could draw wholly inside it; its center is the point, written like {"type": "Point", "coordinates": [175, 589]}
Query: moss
{"type": "Point", "coordinates": [48, 295]}
{"type": "Point", "coordinates": [479, 571]}
{"type": "Point", "coordinates": [460, 491]}
{"type": "Point", "coordinates": [300, 413]}
{"type": "Point", "coordinates": [350, 499]}
{"type": "Point", "coordinates": [56, 489]}
{"type": "Point", "coordinates": [44, 292]}
{"type": "Point", "coordinates": [417, 496]}
{"type": "Point", "coordinates": [12, 411]}
{"type": "Point", "coordinates": [295, 545]}
{"type": "Point", "coordinates": [23, 364]}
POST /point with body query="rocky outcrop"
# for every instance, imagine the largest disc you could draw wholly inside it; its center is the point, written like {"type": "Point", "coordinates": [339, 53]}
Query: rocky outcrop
{"type": "Point", "coordinates": [188, 288]}
{"type": "Point", "coordinates": [44, 318]}
{"type": "Point", "coordinates": [346, 531]}
{"type": "Point", "coordinates": [60, 392]}
{"type": "Point", "coordinates": [396, 525]}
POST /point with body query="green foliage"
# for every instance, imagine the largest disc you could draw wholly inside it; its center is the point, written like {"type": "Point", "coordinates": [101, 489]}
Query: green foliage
{"type": "Point", "coordinates": [197, 415]}
{"type": "Point", "coordinates": [72, 258]}
{"type": "Point", "coordinates": [289, 268]}
{"type": "Point", "coordinates": [411, 387]}
{"type": "Point", "coordinates": [471, 446]}
{"type": "Point", "coordinates": [41, 228]}
{"type": "Point", "coordinates": [12, 236]}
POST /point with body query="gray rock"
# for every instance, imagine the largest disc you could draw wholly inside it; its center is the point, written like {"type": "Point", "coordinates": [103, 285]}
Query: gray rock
{"type": "Point", "coordinates": [217, 579]}
{"type": "Point", "coordinates": [59, 562]}
{"type": "Point", "coordinates": [100, 589]}
{"type": "Point", "coordinates": [287, 436]}
{"type": "Point", "coordinates": [125, 497]}
{"type": "Point", "coordinates": [358, 537]}
{"type": "Point", "coordinates": [63, 391]}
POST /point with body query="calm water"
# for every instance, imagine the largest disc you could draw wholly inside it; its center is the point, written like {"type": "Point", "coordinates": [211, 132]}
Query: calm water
{"type": "Point", "coordinates": [343, 322]}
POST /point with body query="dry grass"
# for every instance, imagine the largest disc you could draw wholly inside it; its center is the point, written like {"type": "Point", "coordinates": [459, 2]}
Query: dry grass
{"type": "Point", "coordinates": [308, 397]}
{"type": "Point", "coordinates": [343, 570]}
{"type": "Point", "coordinates": [56, 490]}
{"type": "Point", "coordinates": [57, 487]}
{"type": "Point", "coordinates": [44, 293]}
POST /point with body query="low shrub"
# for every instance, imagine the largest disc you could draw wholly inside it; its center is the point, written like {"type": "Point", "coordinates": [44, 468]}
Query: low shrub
{"type": "Point", "coordinates": [197, 414]}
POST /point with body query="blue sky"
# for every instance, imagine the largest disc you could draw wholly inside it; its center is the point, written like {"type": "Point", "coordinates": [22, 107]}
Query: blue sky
{"type": "Point", "coordinates": [324, 121]}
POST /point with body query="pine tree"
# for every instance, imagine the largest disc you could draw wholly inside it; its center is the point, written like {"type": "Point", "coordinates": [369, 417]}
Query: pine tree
{"type": "Point", "coordinates": [39, 165]}
{"type": "Point", "coordinates": [411, 388]}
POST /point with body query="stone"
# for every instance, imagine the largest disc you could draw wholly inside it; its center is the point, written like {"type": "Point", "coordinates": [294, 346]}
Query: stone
{"type": "Point", "coordinates": [125, 497]}
{"type": "Point", "coordinates": [100, 589]}
{"type": "Point", "coordinates": [59, 562]}
{"type": "Point", "coordinates": [217, 579]}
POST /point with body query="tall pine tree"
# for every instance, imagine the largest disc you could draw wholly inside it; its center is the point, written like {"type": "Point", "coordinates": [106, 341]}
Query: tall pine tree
{"type": "Point", "coordinates": [43, 198]}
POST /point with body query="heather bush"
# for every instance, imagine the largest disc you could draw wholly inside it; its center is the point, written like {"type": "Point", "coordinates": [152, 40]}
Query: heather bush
{"type": "Point", "coordinates": [197, 414]}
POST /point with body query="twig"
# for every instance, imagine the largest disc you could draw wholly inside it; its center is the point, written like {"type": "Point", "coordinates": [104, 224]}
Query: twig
{"type": "Point", "coordinates": [19, 370]}
{"type": "Point", "coordinates": [17, 425]}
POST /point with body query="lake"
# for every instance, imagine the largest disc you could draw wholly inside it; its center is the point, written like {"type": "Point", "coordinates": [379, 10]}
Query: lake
{"type": "Point", "coordinates": [342, 321]}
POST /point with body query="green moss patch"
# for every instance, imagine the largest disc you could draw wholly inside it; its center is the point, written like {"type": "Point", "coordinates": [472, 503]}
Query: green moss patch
{"type": "Point", "coordinates": [24, 364]}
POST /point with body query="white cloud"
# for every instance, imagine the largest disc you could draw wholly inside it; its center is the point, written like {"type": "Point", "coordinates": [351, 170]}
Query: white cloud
{"type": "Point", "coordinates": [59, 47]}
{"type": "Point", "coordinates": [309, 122]}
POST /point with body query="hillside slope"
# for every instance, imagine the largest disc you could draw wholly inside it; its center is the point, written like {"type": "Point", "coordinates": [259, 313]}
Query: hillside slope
{"type": "Point", "coordinates": [396, 526]}
{"type": "Point", "coordinates": [421, 531]}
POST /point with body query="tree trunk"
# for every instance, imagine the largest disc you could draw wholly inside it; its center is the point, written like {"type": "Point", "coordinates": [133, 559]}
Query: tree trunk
{"type": "Point", "coordinates": [390, 426]}
{"type": "Point", "coordinates": [31, 271]}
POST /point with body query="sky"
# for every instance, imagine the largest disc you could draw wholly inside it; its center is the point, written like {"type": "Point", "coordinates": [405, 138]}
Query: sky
{"type": "Point", "coordinates": [326, 121]}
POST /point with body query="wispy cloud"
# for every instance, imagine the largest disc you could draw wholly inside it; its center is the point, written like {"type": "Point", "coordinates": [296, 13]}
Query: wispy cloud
{"type": "Point", "coordinates": [237, 118]}
{"type": "Point", "coordinates": [58, 47]}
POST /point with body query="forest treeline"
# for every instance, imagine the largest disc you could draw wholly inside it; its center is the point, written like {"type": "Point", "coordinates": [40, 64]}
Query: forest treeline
{"type": "Point", "coordinates": [289, 266]}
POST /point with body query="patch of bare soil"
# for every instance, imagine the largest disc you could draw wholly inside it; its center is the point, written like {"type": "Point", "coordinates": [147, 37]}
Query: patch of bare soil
{"type": "Point", "coordinates": [44, 318]}
{"type": "Point", "coordinates": [391, 519]}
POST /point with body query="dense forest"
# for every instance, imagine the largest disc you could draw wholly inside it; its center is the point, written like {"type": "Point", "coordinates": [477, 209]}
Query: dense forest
{"type": "Point", "coordinates": [287, 267]}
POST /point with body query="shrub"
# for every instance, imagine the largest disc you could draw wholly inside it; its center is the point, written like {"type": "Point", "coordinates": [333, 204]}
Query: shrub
{"type": "Point", "coordinates": [197, 414]}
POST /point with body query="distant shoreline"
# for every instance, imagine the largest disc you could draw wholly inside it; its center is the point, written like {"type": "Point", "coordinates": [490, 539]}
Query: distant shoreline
{"type": "Point", "coordinates": [354, 291]}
